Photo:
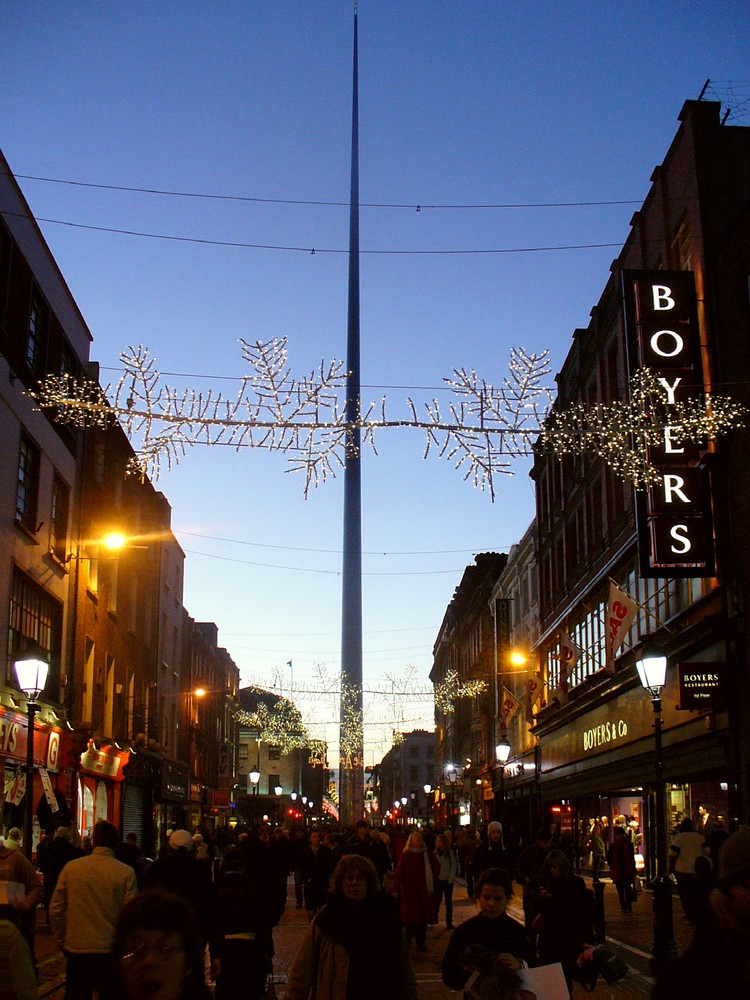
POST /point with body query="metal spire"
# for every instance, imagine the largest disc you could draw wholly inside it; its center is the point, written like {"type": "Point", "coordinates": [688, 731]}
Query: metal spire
{"type": "Point", "coordinates": [351, 777]}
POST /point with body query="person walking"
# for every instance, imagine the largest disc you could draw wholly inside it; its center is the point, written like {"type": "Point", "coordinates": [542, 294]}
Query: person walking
{"type": "Point", "coordinates": [88, 898]}
{"type": "Point", "coordinates": [468, 850]}
{"type": "Point", "coordinates": [181, 873]}
{"type": "Point", "coordinates": [316, 867]}
{"type": "Point", "coordinates": [15, 867]}
{"type": "Point", "coordinates": [446, 859]}
{"type": "Point", "coordinates": [597, 849]}
{"type": "Point", "coordinates": [716, 962]}
{"type": "Point", "coordinates": [414, 886]}
{"type": "Point", "coordinates": [684, 850]}
{"type": "Point", "coordinates": [621, 861]}
{"type": "Point", "coordinates": [491, 852]}
{"type": "Point", "coordinates": [156, 952]}
{"type": "Point", "coordinates": [354, 949]}
{"type": "Point", "coordinates": [18, 977]}
{"type": "Point", "coordinates": [531, 875]}
{"type": "Point", "coordinates": [565, 919]}
{"type": "Point", "coordinates": [58, 851]}
{"type": "Point", "coordinates": [247, 953]}
{"type": "Point", "coordinates": [491, 933]}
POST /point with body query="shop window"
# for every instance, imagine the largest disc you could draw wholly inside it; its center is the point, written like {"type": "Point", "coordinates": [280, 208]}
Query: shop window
{"type": "Point", "coordinates": [27, 484]}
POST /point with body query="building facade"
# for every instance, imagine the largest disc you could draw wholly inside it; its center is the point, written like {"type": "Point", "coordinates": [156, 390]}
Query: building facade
{"type": "Point", "coordinates": [679, 549]}
{"type": "Point", "coordinates": [117, 734]}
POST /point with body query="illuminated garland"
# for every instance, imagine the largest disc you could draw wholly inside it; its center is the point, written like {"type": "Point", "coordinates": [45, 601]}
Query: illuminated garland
{"type": "Point", "coordinates": [351, 739]}
{"type": "Point", "coordinates": [483, 425]}
{"type": "Point", "coordinates": [621, 433]}
{"type": "Point", "coordinates": [452, 689]}
{"type": "Point", "coordinates": [304, 418]}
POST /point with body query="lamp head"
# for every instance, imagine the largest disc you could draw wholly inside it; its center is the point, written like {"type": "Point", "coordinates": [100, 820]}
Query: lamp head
{"type": "Point", "coordinates": [427, 788]}
{"type": "Point", "coordinates": [652, 668]}
{"type": "Point", "coordinates": [502, 751]}
{"type": "Point", "coordinates": [32, 668]}
{"type": "Point", "coordinates": [255, 777]}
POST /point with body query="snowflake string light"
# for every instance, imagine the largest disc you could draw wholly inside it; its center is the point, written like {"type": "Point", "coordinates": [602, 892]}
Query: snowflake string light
{"type": "Point", "coordinates": [304, 418]}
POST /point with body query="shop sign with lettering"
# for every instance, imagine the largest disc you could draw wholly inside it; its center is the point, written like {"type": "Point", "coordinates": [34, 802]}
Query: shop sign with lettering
{"type": "Point", "coordinates": [675, 532]}
{"type": "Point", "coordinates": [701, 685]}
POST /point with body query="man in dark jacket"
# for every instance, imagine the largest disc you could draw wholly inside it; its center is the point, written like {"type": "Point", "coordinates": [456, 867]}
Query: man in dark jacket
{"type": "Point", "coordinates": [316, 866]}
{"type": "Point", "coordinates": [180, 872]}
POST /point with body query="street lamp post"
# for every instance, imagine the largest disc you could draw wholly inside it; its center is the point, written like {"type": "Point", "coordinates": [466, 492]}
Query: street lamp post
{"type": "Point", "coordinates": [652, 670]}
{"type": "Point", "coordinates": [451, 774]}
{"type": "Point", "coordinates": [502, 752]}
{"type": "Point", "coordinates": [427, 792]}
{"type": "Point", "coordinates": [32, 669]}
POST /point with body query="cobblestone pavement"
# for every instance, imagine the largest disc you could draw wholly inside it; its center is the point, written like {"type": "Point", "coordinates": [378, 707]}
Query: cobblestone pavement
{"type": "Point", "coordinates": [630, 936]}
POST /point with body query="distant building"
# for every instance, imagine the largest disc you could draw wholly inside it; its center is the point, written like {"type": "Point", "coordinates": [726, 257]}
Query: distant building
{"type": "Point", "coordinates": [402, 776]}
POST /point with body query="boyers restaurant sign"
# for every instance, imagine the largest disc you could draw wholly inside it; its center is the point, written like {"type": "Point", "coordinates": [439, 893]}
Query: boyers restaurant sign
{"type": "Point", "coordinates": [675, 531]}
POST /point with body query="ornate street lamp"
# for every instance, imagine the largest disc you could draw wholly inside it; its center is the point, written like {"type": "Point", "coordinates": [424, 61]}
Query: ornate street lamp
{"type": "Point", "coordinates": [32, 668]}
{"type": "Point", "coordinates": [502, 752]}
{"type": "Point", "coordinates": [427, 793]}
{"type": "Point", "coordinates": [652, 670]}
{"type": "Point", "coordinates": [451, 776]}
{"type": "Point", "coordinates": [254, 779]}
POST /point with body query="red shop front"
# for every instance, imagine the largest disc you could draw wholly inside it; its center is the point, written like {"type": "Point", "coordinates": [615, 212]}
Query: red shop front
{"type": "Point", "coordinates": [49, 791]}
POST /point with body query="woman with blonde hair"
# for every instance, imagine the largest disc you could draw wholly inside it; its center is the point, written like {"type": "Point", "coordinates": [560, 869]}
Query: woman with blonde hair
{"type": "Point", "coordinates": [415, 888]}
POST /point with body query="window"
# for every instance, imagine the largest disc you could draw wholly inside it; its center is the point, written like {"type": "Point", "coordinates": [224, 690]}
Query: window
{"type": "Point", "coordinates": [58, 530]}
{"type": "Point", "coordinates": [27, 487]}
{"type": "Point", "coordinates": [37, 331]}
{"type": "Point", "coordinates": [6, 245]}
{"type": "Point", "coordinates": [243, 751]}
{"type": "Point", "coordinates": [274, 781]}
{"type": "Point", "coordinates": [36, 618]}
{"type": "Point", "coordinates": [274, 753]}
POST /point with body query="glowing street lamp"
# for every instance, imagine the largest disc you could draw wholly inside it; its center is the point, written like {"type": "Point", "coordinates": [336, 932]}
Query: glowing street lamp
{"type": "Point", "coordinates": [32, 669]}
{"type": "Point", "coordinates": [652, 670]}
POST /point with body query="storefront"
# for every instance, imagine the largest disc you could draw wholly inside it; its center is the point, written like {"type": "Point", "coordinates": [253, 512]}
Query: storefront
{"type": "Point", "coordinates": [600, 765]}
{"type": "Point", "coordinates": [99, 786]}
{"type": "Point", "coordinates": [49, 789]}
{"type": "Point", "coordinates": [171, 809]}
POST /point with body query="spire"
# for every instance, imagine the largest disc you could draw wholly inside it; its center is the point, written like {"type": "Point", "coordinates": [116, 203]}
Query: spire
{"type": "Point", "coordinates": [351, 777]}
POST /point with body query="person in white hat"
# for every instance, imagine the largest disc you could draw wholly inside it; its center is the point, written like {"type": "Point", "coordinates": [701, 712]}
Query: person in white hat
{"type": "Point", "coordinates": [180, 872]}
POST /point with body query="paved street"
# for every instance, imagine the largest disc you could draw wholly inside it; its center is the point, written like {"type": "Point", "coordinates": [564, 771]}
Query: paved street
{"type": "Point", "coordinates": [630, 936]}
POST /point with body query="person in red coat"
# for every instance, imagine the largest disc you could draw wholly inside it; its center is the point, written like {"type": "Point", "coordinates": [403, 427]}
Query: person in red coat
{"type": "Point", "coordinates": [414, 886]}
{"type": "Point", "coordinates": [622, 868]}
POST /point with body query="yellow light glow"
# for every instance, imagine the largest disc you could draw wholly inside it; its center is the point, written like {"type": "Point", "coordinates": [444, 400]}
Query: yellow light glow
{"type": "Point", "coordinates": [114, 540]}
{"type": "Point", "coordinates": [517, 658]}
{"type": "Point", "coordinates": [200, 692]}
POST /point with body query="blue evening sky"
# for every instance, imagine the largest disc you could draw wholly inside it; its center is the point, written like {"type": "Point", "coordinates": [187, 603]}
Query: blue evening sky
{"type": "Point", "coordinates": [462, 103]}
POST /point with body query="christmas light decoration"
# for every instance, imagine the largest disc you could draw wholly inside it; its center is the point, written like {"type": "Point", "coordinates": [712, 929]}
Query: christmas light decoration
{"type": "Point", "coordinates": [479, 430]}
{"type": "Point", "coordinates": [621, 433]}
{"type": "Point", "coordinates": [452, 689]}
{"type": "Point", "coordinates": [303, 418]}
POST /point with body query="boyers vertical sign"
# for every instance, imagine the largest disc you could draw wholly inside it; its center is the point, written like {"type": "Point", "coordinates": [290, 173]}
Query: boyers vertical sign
{"type": "Point", "coordinates": [674, 516]}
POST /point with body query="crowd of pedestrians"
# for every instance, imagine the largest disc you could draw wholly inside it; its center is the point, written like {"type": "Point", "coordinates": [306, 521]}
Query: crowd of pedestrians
{"type": "Point", "coordinates": [197, 922]}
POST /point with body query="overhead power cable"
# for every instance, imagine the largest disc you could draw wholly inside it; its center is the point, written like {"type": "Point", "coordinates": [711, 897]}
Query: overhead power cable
{"type": "Point", "coordinates": [413, 207]}
{"type": "Point", "coordinates": [198, 241]}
